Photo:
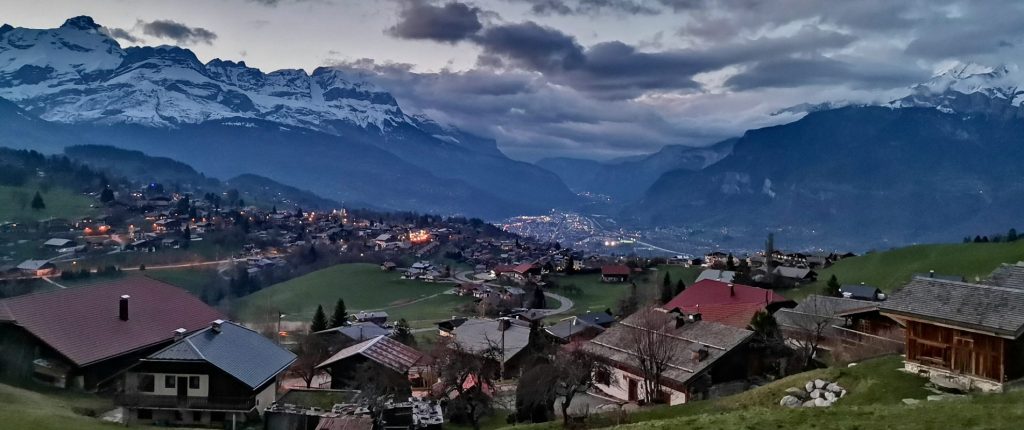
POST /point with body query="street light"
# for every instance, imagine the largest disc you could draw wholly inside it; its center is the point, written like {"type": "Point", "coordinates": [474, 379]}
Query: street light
{"type": "Point", "coordinates": [279, 317]}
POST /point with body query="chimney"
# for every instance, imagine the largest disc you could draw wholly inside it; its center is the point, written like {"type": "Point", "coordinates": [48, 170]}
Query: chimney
{"type": "Point", "coordinates": [215, 325]}
{"type": "Point", "coordinates": [931, 273]}
{"type": "Point", "coordinates": [179, 334]}
{"type": "Point", "coordinates": [698, 353]}
{"type": "Point", "coordinates": [504, 324]}
{"type": "Point", "coordinates": [732, 289]}
{"type": "Point", "coordinates": [123, 309]}
{"type": "Point", "coordinates": [695, 317]}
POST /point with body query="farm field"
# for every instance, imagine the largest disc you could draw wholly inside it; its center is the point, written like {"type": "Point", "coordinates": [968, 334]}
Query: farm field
{"type": "Point", "coordinates": [60, 203]}
{"type": "Point", "coordinates": [595, 295]}
{"type": "Point", "coordinates": [362, 286]}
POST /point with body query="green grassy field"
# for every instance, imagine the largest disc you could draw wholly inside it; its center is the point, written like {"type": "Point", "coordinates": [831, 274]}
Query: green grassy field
{"type": "Point", "coordinates": [60, 203]}
{"type": "Point", "coordinates": [598, 296]}
{"type": "Point", "coordinates": [192, 279]}
{"type": "Point", "coordinates": [52, 409]}
{"type": "Point", "coordinates": [362, 286]}
{"type": "Point", "coordinates": [890, 269]}
{"type": "Point", "coordinates": [876, 389]}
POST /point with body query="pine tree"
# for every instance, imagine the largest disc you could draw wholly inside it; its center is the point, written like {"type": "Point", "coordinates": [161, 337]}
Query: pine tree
{"type": "Point", "coordinates": [319, 320]}
{"type": "Point", "coordinates": [680, 287]}
{"type": "Point", "coordinates": [1012, 236]}
{"type": "Point", "coordinates": [340, 316]}
{"type": "Point", "coordinates": [730, 264]}
{"type": "Point", "coordinates": [37, 202]}
{"type": "Point", "coordinates": [403, 333]}
{"type": "Point", "coordinates": [666, 289]}
{"type": "Point", "coordinates": [107, 195]}
{"type": "Point", "coordinates": [832, 287]}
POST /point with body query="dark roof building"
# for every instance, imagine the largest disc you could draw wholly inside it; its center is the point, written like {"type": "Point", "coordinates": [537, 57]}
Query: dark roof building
{"type": "Point", "coordinates": [1007, 275]}
{"type": "Point", "coordinates": [862, 292]}
{"type": "Point", "coordinates": [602, 319]}
{"type": "Point", "coordinates": [383, 351]}
{"type": "Point", "coordinates": [90, 333]}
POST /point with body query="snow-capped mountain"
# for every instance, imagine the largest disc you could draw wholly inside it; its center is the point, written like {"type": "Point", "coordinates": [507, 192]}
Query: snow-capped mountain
{"type": "Point", "coordinates": [76, 73]}
{"type": "Point", "coordinates": [969, 88]}
{"type": "Point", "coordinates": [332, 131]}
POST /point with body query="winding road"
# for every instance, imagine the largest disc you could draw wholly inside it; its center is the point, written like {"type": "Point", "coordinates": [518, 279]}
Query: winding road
{"type": "Point", "coordinates": [565, 303]}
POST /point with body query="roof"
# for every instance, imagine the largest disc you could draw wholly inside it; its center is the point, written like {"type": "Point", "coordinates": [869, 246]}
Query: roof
{"type": "Point", "coordinates": [793, 272]}
{"type": "Point", "coordinates": [370, 315]}
{"type": "Point", "coordinates": [986, 308]}
{"type": "Point", "coordinates": [478, 334]}
{"type": "Point", "coordinates": [615, 270]}
{"type": "Point", "coordinates": [523, 268]}
{"type": "Point", "coordinates": [382, 350]}
{"type": "Point", "coordinates": [242, 353]}
{"type": "Point", "coordinates": [933, 275]}
{"type": "Point", "coordinates": [810, 311]}
{"type": "Point", "coordinates": [861, 291]}
{"type": "Point", "coordinates": [359, 331]}
{"type": "Point", "coordinates": [346, 422]}
{"type": "Point", "coordinates": [718, 275]}
{"type": "Point", "coordinates": [83, 325]}
{"type": "Point", "coordinates": [1007, 275]}
{"type": "Point", "coordinates": [716, 301]}
{"type": "Point", "coordinates": [57, 242]}
{"type": "Point", "coordinates": [599, 318]}
{"type": "Point", "coordinates": [569, 326]}
{"type": "Point", "coordinates": [617, 343]}
{"type": "Point", "coordinates": [33, 264]}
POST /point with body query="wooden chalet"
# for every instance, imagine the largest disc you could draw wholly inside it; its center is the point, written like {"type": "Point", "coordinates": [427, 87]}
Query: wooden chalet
{"type": "Point", "coordinates": [969, 334]}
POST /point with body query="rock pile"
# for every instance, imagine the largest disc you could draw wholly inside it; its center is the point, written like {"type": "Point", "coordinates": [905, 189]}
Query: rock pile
{"type": "Point", "coordinates": [817, 393]}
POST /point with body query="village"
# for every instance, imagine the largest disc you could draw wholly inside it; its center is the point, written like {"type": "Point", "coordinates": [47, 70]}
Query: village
{"type": "Point", "coordinates": [529, 331]}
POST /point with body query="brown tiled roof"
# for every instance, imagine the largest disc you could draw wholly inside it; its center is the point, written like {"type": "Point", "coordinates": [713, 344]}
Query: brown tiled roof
{"type": "Point", "coordinates": [615, 270]}
{"type": "Point", "coordinates": [346, 422]}
{"type": "Point", "coordinates": [617, 344]}
{"type": "Point", "coordinates": [82, 323]}
{"type": "Point", "coordinates": [383, 350]}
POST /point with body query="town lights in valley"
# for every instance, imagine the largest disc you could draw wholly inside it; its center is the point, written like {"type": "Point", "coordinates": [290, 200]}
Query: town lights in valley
{"type": "Point", "coordinates": [421, 236]}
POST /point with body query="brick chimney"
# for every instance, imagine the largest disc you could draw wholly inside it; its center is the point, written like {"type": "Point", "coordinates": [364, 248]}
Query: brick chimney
{"type": "Point", "coordinates": [179, 334]}
{"type": "Point", "coordinates": [215, 325]}
{"type": "Point", "coordinates": [122, 312]}
{"type": "Point", "coordinates": [732, 289]}
{"type": "Point", "coordinates": [504, 324]}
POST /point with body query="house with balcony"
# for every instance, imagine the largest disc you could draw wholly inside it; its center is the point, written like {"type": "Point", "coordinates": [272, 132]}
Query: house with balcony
{"type": "Point", "coordinates": [213, 377]}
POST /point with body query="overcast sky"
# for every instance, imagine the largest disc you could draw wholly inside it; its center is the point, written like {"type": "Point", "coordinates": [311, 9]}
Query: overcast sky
{"type": "Point", "coordinates": [586, 78]}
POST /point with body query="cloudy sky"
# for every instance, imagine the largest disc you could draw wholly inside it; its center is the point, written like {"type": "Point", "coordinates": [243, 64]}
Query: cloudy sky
{"type": "Point", "coordinates": [585, 78]}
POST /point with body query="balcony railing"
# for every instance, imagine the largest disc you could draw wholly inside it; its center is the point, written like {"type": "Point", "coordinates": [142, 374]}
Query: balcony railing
{"type": "Point", "coordinates": [174, 402]}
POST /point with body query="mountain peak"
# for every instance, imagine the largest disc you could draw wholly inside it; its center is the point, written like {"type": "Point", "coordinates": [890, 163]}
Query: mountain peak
{"type": "Point", "coordinates": [81, 23]}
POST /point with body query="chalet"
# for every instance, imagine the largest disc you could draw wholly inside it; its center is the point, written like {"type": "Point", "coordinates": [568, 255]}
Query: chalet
{"type": "Point", "coordinates": [795, 275]}
{"type": "Point", "coordinates": [714, 258]}
{"type": "Point", "coordinates": [969, 334]}
{"type": "Point", "coordinates": [508, 336]}
{"type": "Point", "coordinates": [468, 288]}
{"type": "Point", "coordinates": [841, 321]}
{"type": "Point", "coordinates": [520, 273]}
{"type": "Point", "coordinates": [727, 303]}
{"type": "Point", "coordinates": [446, 327]}
{"type": "Point", "coordinates": [57, 243]}
{"type": "Point", "coordinates": [862, 291]}
{"type": "Point", "coordinates": [615, 273]}
{"type": "Point", "coordinates": [80, 337]}
{"type": "Point", "coordinates": [388, 266]}
{"type": "Point", "coordinates": [212, 377]}
{"type": "Point", "coordinates": [514, 296]}
{"type": "Point", "coordinates": [598, 318]}
{"type": "Point", "coordinates": [702, 355]}
{"type": "Point", "coordinates": [37, 268]}
{"type": "Point", "coordinates": [381, 352]}
{"type": "Point", "coordinates": [355, 332]}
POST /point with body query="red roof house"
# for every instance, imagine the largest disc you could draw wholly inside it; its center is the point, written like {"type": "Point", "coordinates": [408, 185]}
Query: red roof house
{"type": "Point", "coordinates": [615, 273]}
{"type": "Point", "coordinates": [81, 336]}
{"type": "Point", "coordinates": [727, 303]}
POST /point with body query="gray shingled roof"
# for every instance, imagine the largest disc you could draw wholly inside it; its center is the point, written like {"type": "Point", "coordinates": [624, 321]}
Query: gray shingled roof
{"type": "Point", "coordinates": [563, 329]}
{"type": "Point", "coordinates": [477, 335]}
{"type": "Point", "coordinates": [359, 331]}
{"type": "Point", "coordinates": [995, 309]}
{"type": "Point", "coordinates": [242, 353]}
{"type": "Point", "coordinates": [1007, 275]}
{"type": "Point", "coordinates": [616, 344]}
{"type": "Point", "coordinates": [381, 349]}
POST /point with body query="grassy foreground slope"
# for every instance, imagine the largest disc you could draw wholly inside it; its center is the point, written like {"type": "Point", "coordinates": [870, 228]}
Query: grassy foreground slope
{"type": "Point", "coordinates": [60, 203]}
{"type": "Point", "coordinates": [891, 269]}
{"type": "Point", "coordinates": [51, 410]}
{"type": "Point", "coordinates": [876, 390]}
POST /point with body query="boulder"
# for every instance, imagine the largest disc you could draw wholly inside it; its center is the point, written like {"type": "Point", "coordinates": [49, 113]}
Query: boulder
{"type": "Point", "coordinates": [796, 392]}
{"type": "Point", "coordinates": [818, 383]}
{"type": "Point", "coordinates": [941, 397]}
{"type": "Point", "coordinates": [834, 387]}
{"type": "Point", "coordinates": [822, 403]}
{"type": "Point", "coordinates": [830, 396]}
{"type": "Point", "coordinates": [842, 394]}
{"type": "Point", "coordinates": [809, 404]}
{"type": "Point", "coordinates": [815, 394]}
{"type": "Point", "coordinates": [790, 402]}
{"type": "Point", "coordinates": [948, 385]}
{"type": "Point", "coordinates": [809, 386]}
{"type": "Point", "coordinates": [911, 402]}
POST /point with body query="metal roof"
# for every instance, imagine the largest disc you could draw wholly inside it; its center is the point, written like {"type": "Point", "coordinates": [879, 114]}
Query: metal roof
{"type": "Point", "coordinates": [381, 349]}
{"type": "Point", "coordinates": [242, 353]}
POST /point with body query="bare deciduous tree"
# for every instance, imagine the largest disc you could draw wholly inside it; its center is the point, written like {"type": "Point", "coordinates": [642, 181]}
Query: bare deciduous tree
{"type": "Point", "coordinates": [312, 351]}
{"type": "Point", "coordinates": [455, 366]}
{"type": "Point", "coordinates": [576, 373]}
{"type": "Point", "coordinates": [809, 326]}
{"type": "Point", "coordinates": [651, 348]}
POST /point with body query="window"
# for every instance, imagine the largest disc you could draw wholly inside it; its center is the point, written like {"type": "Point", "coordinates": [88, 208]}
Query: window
{"type": "Point", "coordinates": [603, 376]}
{"type": "Point", "coordinates": [170, 381]}
{"type": "Point", "coordinates": [193, 382]}
{"type": "Point", "coordinates": [146, 414]}
{"type": "Point", "coordinates": [146, 383]}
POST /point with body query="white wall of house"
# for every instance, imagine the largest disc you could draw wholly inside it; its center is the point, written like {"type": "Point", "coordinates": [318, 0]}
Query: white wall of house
{"type": "Point", "coordinates": [619, 387]}
{"type": "Point", "coordinates": [160, 387]}
{"type": "Point", "coordinates": [266, 397]}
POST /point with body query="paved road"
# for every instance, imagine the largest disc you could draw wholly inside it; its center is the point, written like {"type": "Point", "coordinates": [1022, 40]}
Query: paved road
{"type": "Point", "coordinates": [566, 304]}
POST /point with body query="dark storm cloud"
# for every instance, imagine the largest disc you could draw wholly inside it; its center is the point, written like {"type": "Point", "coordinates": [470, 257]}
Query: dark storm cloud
{"type": "Point", "coordinates": [533, 46]}
{"type": "Point", "coordinates": [799, 72]}
{"type": "Point", "coordinates": [451, 22]}
{"type": "Point", "coordinates": [121, 34]}
{"type": "Point", "coordinates": [576, 7]}
{"type": "Point", "coordinates": [177, 31]}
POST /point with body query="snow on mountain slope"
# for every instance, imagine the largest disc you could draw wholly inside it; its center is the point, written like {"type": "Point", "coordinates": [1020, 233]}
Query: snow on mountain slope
{"type": "Point", "coordinates": [77, 74]}
{"type": "Point", "coordinates": [968, 88]}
